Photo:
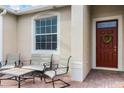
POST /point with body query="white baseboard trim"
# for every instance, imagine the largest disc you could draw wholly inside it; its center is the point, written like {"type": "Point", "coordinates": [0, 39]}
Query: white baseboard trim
{"type": "Point", "coordinates": [104, 68]}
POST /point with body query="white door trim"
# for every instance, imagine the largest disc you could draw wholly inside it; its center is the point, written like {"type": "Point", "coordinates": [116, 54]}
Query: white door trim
{"type": "Point", "coordinates": [119, 17]}
{"type": "Point", "coordinates": [1, 38]}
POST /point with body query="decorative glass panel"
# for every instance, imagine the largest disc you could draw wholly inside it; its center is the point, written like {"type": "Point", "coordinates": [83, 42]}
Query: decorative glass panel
{"type": "Point", "coordinates": [38, 39]}
{"type": "Point", "coordinates": [49, 38]}
{"type": "Point", "coordinates": [48, 29]}
{"type": "Point", "coordinates": [48, 21]}
{"type": "Point", "coordinates": [54, 29]}
{"type": "Point", "coordinates": [54, 46]}
{"type": "Point", "coordinates": [42, 30]}
{"type": "Point", "coordinates": [37, 45]}
{"type": "Point", "coordinates": [48, 46]}
{"type": "Point", "coordinates": [108, 24]}
{"type": "Point", "coordinates": [37, 23]}
{"type": "Point", "coordinates": [54, 38]}
{"type": "Point", "coordinates": [43, 38]}
{"type": "Point", "coordinates": [43, 45]}
{"type": "Point", "coordinates": [54, 20]}
{"type": "Point", "coordinates": [37, 30]}
{"type": "Point", "coordinates": [43, 22]}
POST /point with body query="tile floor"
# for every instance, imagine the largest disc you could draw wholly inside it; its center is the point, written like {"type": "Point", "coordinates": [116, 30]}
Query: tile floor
{"type": "Point", "coordinates": [95, 79]}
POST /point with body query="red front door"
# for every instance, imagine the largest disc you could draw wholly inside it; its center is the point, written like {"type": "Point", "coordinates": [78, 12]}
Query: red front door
{"type": "Point", "coordinates": [107, 44]}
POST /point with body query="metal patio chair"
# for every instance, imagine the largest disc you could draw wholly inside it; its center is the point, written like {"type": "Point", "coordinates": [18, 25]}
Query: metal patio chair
{"type": "Point", "coordinates": [12, 61]}
{"type": "Point", "coordinates": [58, 69]}
{"type": "Point", "coordinates": [37, 62]}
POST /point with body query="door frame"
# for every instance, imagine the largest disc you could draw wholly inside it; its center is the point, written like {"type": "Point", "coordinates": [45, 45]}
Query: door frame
{"type": "Point", "coordinates": [120, 42]}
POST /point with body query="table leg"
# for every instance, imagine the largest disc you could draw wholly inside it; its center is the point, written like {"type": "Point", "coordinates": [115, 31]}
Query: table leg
{"type": "Point", "coordinates": [19, 82]}
{"type": "Point", "coordinates": [33, 78]}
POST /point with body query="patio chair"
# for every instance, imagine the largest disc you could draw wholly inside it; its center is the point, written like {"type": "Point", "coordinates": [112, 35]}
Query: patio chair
{"type": "Point", "coordinates": [58, 69]}
{"type": "Point", "coordinates": [11, 61]}
{"type": "Point", "coordinates": [37, 63]}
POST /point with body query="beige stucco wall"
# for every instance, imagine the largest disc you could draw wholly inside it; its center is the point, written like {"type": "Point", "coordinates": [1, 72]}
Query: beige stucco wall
{"type": "Point", "coordinates": [86, 41]}
{"type": "Point", "coordinates": [9, 34]}
{"type": "Point", "coordinates": [24, 32]}
{"type": "Point", "coordinates": [105, 11]}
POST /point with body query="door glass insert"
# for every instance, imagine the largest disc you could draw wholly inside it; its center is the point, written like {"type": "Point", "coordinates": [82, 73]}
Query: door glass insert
{"type": "Point", "coordinates": [107, 24]}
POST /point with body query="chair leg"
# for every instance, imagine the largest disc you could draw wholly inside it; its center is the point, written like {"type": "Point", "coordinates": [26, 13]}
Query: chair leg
{"type": "Point", "coordinates": [40, 77]}
{"type": "Point", "coordinates": [33, 78]}
{"type": "Point", "coordinates": [48, 81]}
{"type": "Point", "coordinates": [67, 84]}
{"type": "Point", "coordinates": [53, 83]}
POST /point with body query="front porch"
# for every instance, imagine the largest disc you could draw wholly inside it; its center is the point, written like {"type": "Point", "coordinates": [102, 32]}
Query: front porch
{"type": "Point", "coordinates": [95, 79]}
{"type": "Point", "coordinates": [86, 51]}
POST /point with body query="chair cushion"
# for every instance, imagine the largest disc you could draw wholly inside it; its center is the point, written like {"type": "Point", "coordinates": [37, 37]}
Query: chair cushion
{"type": "Point", "coordinates": [61, 71]}
{"type": "Point", "coordinates": [50, 73]}
{"type": "Point", "coordinates": [34, 67]}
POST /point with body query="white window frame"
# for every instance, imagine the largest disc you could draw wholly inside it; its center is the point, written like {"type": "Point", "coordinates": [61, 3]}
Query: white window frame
{"type": "Point", "coordinates": [41, 16]}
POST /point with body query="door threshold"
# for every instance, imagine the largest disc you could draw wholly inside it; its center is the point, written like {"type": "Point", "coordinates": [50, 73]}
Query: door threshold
{"type": "Point", "coordinates": [105, 68]}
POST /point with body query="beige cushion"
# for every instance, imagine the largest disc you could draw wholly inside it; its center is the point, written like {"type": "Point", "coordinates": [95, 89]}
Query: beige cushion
{"type": "Point", "coordinates": [50, 73]}
{"type": "Point", "coordinates": [61, 60]}
{"type": "Point", "coordinates": [56, 59]}
{"type": "Point", "coordinates": [35, 59]}
{"type": "Point", "coordinates": [40, 59]}
{"type": "Point", "coordinates": [46, 58]}
{"type": "Point", "coordinates": [61, 71]}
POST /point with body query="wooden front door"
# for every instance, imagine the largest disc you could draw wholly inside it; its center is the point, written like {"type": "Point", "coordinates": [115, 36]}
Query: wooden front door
{"type": "Point", "coordinates": [107, 43]}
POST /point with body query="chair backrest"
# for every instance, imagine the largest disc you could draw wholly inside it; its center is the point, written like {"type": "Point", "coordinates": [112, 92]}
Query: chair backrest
{"type": "Point", "coordinates": [12, 58]}
{"type": "Point", "coordinates": [40, 59]}
{"type": "Point", "coordinates": [35, 59]}
{"type": "Point", "coordinates": [62, 61]}
{"type": "Point", "coordinates": [46, 58]}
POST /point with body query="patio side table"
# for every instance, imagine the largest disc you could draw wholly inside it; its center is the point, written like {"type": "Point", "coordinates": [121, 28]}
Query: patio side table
{"type": "Point", "coordinates": [19, 74]}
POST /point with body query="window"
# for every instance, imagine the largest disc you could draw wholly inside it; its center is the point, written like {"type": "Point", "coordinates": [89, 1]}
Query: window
{"type": "Point", "coordinates": [46, 33]}
{"type": "Point", "coordinates": [106, 24]}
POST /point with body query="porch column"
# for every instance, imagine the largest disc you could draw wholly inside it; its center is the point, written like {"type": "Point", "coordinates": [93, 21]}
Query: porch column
{"type": "Point", "coordinates": [1, 37]}
{"type": "Point", "coordinates": [1, 33]}
{"type": "Point", "coordinates": [77, 42]}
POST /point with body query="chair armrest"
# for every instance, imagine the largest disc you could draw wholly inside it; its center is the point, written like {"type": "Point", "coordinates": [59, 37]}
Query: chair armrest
{"type": "Point", "coordinates": [53, 67]}
{"type": "Point", "coordinates": [46, 66]}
